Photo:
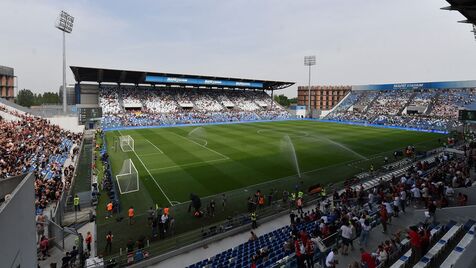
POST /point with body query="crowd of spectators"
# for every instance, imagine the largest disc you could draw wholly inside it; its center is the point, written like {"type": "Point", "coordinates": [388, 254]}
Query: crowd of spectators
{"type": "Point", "coordinates": [350, 215]}
{"type": "Point", "coordinates": [143, 106]}
{"type": "Point", "coordinates": [33, 144]}
{"type": "Point", "coordinates": [430, 109]}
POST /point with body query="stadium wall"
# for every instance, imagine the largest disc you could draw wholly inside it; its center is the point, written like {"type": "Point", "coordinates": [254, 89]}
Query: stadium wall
{"type": "Point", "coordinates": [17, 221]}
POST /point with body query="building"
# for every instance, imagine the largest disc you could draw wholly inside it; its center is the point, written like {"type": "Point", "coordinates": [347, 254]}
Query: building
{"type": "Point", "coordinates": [323, 98]}
{"type": "Point", "coordinates": [7, 83]}
{"type": "Point", "coordinates": [17, 221]}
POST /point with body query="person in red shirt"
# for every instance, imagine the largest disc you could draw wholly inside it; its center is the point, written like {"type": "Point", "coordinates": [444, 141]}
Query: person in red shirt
{"type": "Point", "coordinates": [300, 252]}
{"type": "Point", "coordinates": [88, 240]}
{"type": "Point", "coordinates": [383, 217]}
{"type": "Point", "coordinates": [415, 242]}
{"type": "Point", "coordinates": [131, 215]}
{"type": "Point", "coordinates": [367, 259]}
{"type": "Point", "coordinates": [309, 253]}
{"type": "Point", "coordinates": [44, 245]}
{"type": "Point", "coordinates": [425, 240]}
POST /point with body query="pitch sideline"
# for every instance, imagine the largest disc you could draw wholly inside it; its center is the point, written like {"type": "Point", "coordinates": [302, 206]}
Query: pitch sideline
{"type": "Point", "coordinates": [150, 174]}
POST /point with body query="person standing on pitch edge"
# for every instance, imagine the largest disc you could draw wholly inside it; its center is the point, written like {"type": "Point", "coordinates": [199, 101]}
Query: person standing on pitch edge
{"type": "Point", "coordinates": [253, 218]}
{"type": "Point", "coordinates": [77, 207]}
{"type": "Point", "coordinates": [131, 215]}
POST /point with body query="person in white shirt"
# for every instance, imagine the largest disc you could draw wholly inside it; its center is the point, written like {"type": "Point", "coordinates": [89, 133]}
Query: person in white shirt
{"type": "Point", "coordinates": [331, 259]}
{"type": "Point", "coordinates": [403, 180]}
{"type": "Point", "coordinates": [416, 195]}
{"type": "Point", "coordinates": [403, 200]}
{"type": "Point", "coordinates": [389, 208]}
{"type": "Point", "coordinates": [364, 234]}
{"type": "Point", "coordinates": [346, 234]}
{"type": "Point", "coordinates": [396, 205]}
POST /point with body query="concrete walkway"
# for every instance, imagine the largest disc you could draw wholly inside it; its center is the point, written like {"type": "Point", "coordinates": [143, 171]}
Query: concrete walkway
{"type": "Point", "coordinates": [56, 254]}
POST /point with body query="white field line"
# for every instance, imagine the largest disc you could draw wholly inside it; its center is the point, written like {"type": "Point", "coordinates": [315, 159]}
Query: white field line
{"type": "Point", "coordinates": [206, 142]}
{"type": "Point", "coordinates": [150, 174]}
{"type": "Point", "coordinates": [188, 164]}
{"type": "Point", "coordinates": [151, 154]}
{"type": "Point", "coordinates": [154, 146]}
{"type": "Point", "coordinates": [201, 145]}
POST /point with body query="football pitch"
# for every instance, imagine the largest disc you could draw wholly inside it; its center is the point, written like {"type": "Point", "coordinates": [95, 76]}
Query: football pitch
{"type": "Point", "coordinates": [207, 160]}
{"type": "Point", "coordinates": [240, 158]}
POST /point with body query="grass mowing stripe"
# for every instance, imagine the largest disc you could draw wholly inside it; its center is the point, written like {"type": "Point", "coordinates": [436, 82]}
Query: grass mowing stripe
{"type": "Point", "coordinates": [154, 145]}
{"type": "Point", "coordinates": [201, 145]}
{"type": "Point", "coordinates": [189, 164]}
{"type": "Point", "coordinates": [150, 174]}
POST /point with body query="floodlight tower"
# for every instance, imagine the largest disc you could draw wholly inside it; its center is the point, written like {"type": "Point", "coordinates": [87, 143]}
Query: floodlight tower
{"type": "Point", "coordinates": [65, 24]}
{"type": "Point", "coordinates": [309, 61]}
{"type": "Point", "coordinates": [474, 31]}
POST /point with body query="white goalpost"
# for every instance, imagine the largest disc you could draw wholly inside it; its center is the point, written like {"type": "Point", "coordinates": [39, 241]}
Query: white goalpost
{"type": "Point", "coordinates": [128, 178]}
{"type": "Point", "coordinates": [126, 143]}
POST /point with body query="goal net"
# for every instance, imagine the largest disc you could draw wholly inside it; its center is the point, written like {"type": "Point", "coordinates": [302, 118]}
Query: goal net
{"type": "Point", "coordinates": [126, 143]}
{"type": "Point", "coordinates": [128, 178]}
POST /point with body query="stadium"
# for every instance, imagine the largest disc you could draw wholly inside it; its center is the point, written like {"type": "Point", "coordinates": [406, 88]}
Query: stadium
{"type": "Point", "coordinates": [138, 167]}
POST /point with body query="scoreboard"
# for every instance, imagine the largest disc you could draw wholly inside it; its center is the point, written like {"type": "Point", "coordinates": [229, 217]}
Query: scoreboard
{"type": "Point", "coordinates": [466, 115]}
{"type": "Point", "coordinates": [85, 114]}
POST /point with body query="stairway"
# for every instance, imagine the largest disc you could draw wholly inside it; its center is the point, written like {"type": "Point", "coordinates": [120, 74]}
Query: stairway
{"type": "Point", "coordinates": [409, 101]}
{"type": "Point", "coordinates": [432, 103]}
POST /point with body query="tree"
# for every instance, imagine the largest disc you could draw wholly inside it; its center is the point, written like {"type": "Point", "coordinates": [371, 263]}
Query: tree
{"type": "Point", "coordinates": [282, 100]}
{"type": "Point", "coordinates": [25, 98]}
{"type": "Point", "coordinates": [49, 98]}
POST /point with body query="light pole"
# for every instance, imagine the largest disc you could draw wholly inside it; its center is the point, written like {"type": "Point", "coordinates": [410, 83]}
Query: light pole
{"type": "Point", "coordinates": [474, 31]}
{"type": "Point", "coordinates": [65, 24]}
{"type": "Point", "coordinates": [309, 61]}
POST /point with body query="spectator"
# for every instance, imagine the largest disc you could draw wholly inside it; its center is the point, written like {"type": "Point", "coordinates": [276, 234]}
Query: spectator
{"type": "Point", "coordinates": [367, 259]}
{"type": "Point", "coordinates": [130, 213]}
{"type": "Point", "coordinates": [331, 260]}
{"type": "Point", "coordinates": [74, 254]}
{"type": "Point", "coordinates": [383, 218]}
{"type": "Point", "coordinates": [89, 240]}
{"type": "Point", "coordinates": [346, 235]}
{"type": "Point", "coordinates": [109, 238]}
{"type": "Point", "coordinates": [44, 247]}
{"type": "Point", "coordinates": [415, 242]}
{"type": "Point", "coordinates": [253, 236]}
{"type": "Point", "coordinates": [462, 199]}
{"type": "Point", "coordinates": [65, 261]}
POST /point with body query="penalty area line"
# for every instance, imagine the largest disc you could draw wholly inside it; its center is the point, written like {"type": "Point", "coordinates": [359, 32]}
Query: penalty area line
{"type": "Point", "coordinates": [150, 174]}
{"type": "Point", "coordinates": [158, 149]}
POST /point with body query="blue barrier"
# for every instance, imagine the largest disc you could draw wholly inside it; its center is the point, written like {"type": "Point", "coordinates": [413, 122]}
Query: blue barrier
{"type": "Point", "coordinates": [381, 126]}
{"type": "Point", "coordinates": [281, 120]}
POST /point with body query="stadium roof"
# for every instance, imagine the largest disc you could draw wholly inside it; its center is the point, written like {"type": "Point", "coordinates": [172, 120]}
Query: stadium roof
{"type": "Point", "coordinates": [100, 75]}
{"type": "Point", "coordinates": [466, 7]}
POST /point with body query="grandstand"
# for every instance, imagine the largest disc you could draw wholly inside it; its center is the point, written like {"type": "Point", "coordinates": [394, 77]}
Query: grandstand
{"type": "Point", "coordinates": [176, 138]}
{"type": "Point", "coordinates": [154, 169]}
{"type": "Point", "coordinates": [428, 106]}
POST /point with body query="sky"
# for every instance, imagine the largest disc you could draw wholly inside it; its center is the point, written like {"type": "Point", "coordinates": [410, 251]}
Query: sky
{"type": "Point", "coordinates": [355, 42]}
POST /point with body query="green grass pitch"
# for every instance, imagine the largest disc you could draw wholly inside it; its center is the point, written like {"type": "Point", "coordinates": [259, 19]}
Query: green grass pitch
{"type": "Point", "coordinates": [209, 160]}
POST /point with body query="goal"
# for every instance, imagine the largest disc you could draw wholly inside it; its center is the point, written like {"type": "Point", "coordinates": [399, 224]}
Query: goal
{"type": "Point", "coordinates": [128, 178]}
{"type": "Point", "coordinates": [126, 143]}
